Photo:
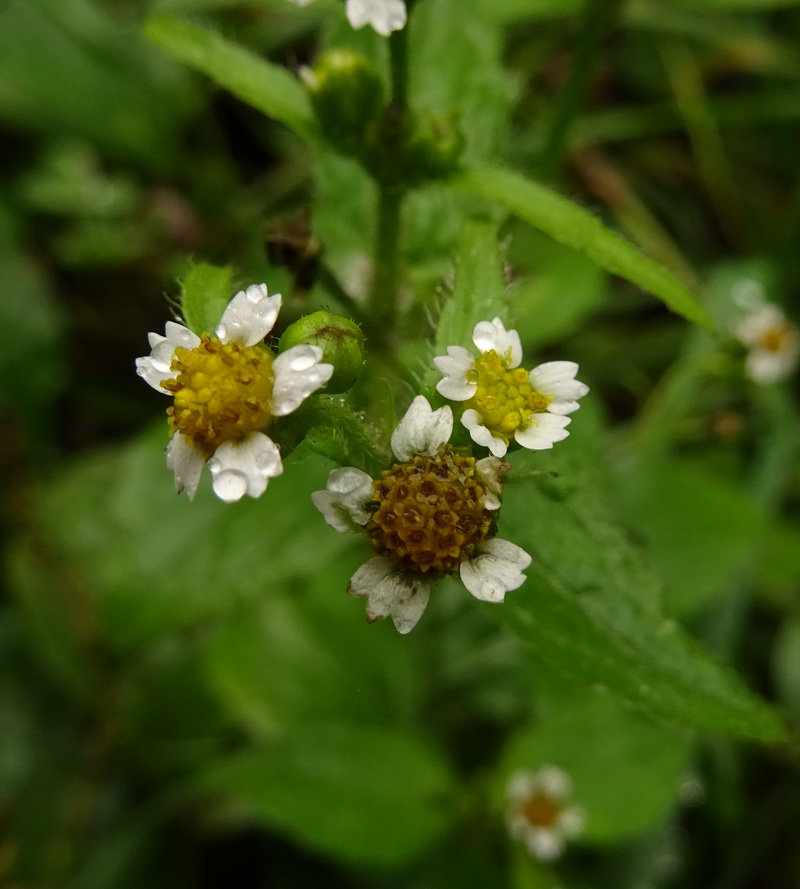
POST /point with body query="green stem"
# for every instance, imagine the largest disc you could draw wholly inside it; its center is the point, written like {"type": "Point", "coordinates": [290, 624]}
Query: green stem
{"type": "Point", "coordinates": [598, 19]}
{"type": "Point", "coordinates": [383, 295]}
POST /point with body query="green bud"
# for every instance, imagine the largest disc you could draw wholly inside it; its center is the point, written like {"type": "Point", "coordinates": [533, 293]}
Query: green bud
{"type": "Point", "coordinates": [347, 95]}
{"type": "Point", "coordinates": [340, 339]}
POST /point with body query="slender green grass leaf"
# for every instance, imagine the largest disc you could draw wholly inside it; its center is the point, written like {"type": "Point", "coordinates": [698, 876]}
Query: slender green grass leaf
{"type": "Point", "coordinates": [575, 227]}
{"type": "Point", "coordinates": [259, 83]}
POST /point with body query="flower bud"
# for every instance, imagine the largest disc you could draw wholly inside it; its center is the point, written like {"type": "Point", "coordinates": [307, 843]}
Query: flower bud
{"type": "Point", "coordinates": [340, 339]}
{"type": "Point", "coordinates": [347, 95]}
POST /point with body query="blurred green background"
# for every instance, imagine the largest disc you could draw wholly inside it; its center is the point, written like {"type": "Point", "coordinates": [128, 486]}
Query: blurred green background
{"type": "Point", "coordinates": [187, 697]}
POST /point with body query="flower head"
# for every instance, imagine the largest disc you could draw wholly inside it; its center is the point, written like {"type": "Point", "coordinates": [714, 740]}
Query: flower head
{"type": "Point", "coordinates": [227, 388]}
{"type": "Point", "coordinates": [538, 811]}
{"type": "Point", "coordinates": [430, 515]}
{"type": "Point", "coordinates": [504, 401]}
{"type": "Point", "coordinates": [772, 341]}
{"type": "Point", "coordinates": [384, 16]}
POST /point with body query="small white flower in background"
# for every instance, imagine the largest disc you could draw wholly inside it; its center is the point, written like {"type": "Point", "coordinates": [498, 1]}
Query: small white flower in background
{"type": "Point", "coordinates": [539, 813]}
{"type": "Point", "coordinates": [227, 388]}
{"type": "Point", "coordinates": [773, 342]}
{"type": "Point", "coordinates": [428, 516]}
{"type": "Point", "coordinates": [502, 400]}
{"type": "Point", "coordinates": [384, 16]}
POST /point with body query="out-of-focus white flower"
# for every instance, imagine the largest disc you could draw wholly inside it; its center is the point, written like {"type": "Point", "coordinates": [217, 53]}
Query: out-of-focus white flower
{"type": "Point", "coordinates": [538, 811]}
{"type": "Point", "coordinates": [384, 16]}
{"type": "Point", "coordinates": [428, 516]}
{"type": "Point", "coordinates": [772, 341]}
{"type": "Point", "coordinates": [227, 388]}
{"type": "Point", "coordinates": [502, 400]}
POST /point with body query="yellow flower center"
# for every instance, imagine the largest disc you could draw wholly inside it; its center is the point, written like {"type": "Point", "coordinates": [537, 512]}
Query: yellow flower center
{"type": "Point", "coordinates": [540, 810]}
{"type": "Point", "coordinates": [777, 338]}
{"type": "Point", "coordinates": [430, 513]}
{"type": "Point", "coordinates": [223, 391]}
{"type": "Point", "coordinates": [505, 398]}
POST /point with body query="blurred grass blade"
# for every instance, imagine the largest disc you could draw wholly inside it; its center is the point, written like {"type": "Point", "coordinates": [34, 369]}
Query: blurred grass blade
{"type": "Point", "coordinates": [575, 227]}
{"type": "Point", "coordinates": [259, 83]}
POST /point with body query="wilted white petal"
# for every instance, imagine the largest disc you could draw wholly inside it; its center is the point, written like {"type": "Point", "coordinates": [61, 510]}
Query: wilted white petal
{"type": "Point", "coordinates": [384, 16]}
{"type": "Point", "coordinates": [186, 462]}
{"type": "Point", "coordinates": [543, 432]}
{"type": "Point", "coordinates": [390, 593]}
{"type": "Point", "coordinates": [489, 472]}
{"type": "Point", "coordinates": [244, 467]}
{"type": "Point", "coordinates": [422, 431]}
{"type": "Point", "coordinates": [479, 433]}
{"type": "Point", "coordinates": [495, 571]}
{"type": "Point", "coordinates": [298, 372]}
{"type": "Point", "coordinates": [344, 502]}
{"type": "Point", "coordinates": [249, 316]}
{"type": "Point", "coordinates": [492, 335]}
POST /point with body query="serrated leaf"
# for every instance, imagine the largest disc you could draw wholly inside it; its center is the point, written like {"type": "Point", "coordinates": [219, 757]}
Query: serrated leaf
{"type": "Point", "coordinates": [205, 292]}
{"type": "Point", "coordinates": [259, 83]}
{"type": "Point", "coordinates": [591, 607]}
{"type": "Point", "coordinates": [570, 224]}
{"type": "Point", "coordinates": [366, 795]}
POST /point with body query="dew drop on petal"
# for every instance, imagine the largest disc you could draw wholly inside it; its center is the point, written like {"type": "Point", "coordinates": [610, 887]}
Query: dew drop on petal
{"type": "Point", "coordinates": [230, 485]}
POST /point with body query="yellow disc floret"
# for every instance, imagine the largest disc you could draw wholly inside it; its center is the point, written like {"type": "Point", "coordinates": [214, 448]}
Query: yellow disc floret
{"type": "Point", "coordinates": [504, 398]}
{"type": "Point", "coordinates": [777, 338]}
{"type": "Point", "coordinates": [541, 811]}
{"type": "Point", "coordinates": [223, 391]}
{"type": "Point", "coordinates": [430, 513]}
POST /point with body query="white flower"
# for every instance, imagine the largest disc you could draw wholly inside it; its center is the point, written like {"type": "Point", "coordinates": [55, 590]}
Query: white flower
{"type": "Point", "coordinates": [504, 401]}
{"type": "Point", "coordinates": [538, 812]}
{"type": "Point", "coordinates": [773, 342]}
{"type": "Point", "coordinates": [227, 389]}
{"type": "Point", "coordinates": [428, 516]}
{"type": "Point", "coordinates": [384, 16]}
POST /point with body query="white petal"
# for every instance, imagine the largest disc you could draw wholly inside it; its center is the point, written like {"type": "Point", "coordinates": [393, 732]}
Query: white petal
{"type": "Point", "coordinates": [490, 471]}
{"type": "Point", "coordinates": [763, 366]}
{"type": "Point", "coordinates": [186, 462]}
{"type": "Point", "coordinates": [557, 379]}
{"type": "Point", "coordinates": [298, 372]}
{"type": "Point", "coordinates": [498, 569]}
{"type": "Point", "coordinates": [482, 435]}
{"type": "Point", "coordinates": [249, 316]}
{"type": "Point", "coordinates": [422, 430]}
{"type": "Point", "coordinates": [765, 317]}
{"type": "Point", "coordinates": [244, 467]}
{"type": "Point", "coordinates": [520, 786]}
{"type": "Point", "coordinates": [384, 16]}
{"type": "Point", "coordinates": [544, 844]}
{"type": "Point", "coordinates": [344, 502]}
{"type": "Point", "coordinates": [155, 368]}
{"type": "Point", "coordinates": [571, 821]}
{"type": "Point", "coordinates": [554, 783]}
{"type": "Point", "coordinates": [489, 335]}
{"type": "Point", "coordinates": [389, 593]}
{"type": "Point", "coordinates": [454, 367]}
{"type": "Point", "coordinates": [543, 432]}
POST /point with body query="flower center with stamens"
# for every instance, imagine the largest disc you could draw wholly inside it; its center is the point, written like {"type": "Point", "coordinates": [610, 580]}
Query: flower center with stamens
{"type": "Point", "coordinates": [430, 513]}
{"type": "Point", "coordinates": [541, 811]}
{"type": "Point", "coordinates": [505, 398]}
{"type": "Point", "coordinates": [777, 338]}
{"type": "Point", "coordinates": [223, 391]}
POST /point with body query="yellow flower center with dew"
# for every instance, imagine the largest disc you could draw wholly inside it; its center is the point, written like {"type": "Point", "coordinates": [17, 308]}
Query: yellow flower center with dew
{"type": "Point", "coordinates": [505, 399]}
{"type": "Point", "coordinates": [777, 338]}
{"type": "Point", "coordinates": [223, 391]}
{"type": "Point", "coordinates": [541, 811]}
{"type": "Point", "coordinates": [430, 513]}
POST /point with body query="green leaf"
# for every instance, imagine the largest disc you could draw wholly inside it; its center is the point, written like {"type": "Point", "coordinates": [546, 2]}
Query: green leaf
{"type": "Point", "coordinates": [591, 608]}
{"type": "Point", "coordinates": [369, 796]}
{"type": "Point", "coordinates": [625, 778]}
{"type": "Point", "coordinates": [688, 517]}
{"type": "Point", "coordinates": [575, 227]}
{"type": "Point", "coordinates": [259, 83]}
{"type": "Point", "coordinates": [205, 292]}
